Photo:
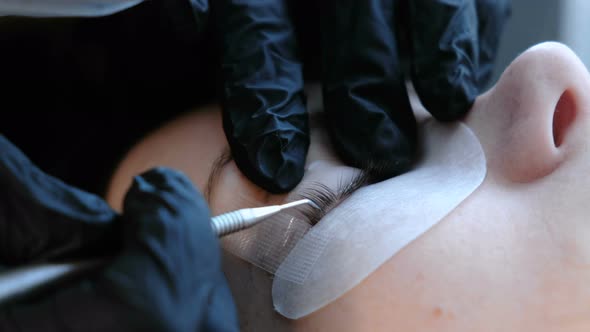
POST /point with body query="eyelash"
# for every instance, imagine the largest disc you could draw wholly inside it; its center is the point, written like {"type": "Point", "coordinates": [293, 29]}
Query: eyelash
{"type": "Point", "coordinates": [327, 198]}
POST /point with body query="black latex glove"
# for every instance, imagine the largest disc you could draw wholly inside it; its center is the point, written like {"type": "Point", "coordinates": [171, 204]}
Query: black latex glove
{"type": "Point", "coordinates": [449, 46]}
{"type": "Point", "coordinates": [166, 275]}
{"type": "Point", "coordinates": [264, 114]}
{"type": "Point", "coordinates": [42, 218]}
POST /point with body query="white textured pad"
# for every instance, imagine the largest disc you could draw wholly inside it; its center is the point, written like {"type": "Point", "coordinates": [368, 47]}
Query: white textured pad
{"type": "Point", "coordinates": [56, 8]}
{"type": "Point", "coordinates": [377, 221]}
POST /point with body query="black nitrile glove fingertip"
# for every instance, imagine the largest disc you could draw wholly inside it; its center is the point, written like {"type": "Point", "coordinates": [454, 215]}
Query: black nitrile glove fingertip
{"type": "Point", "coordinates": [445, 56]}
{"type": "Point", "coordinates": [159, 182]}
{"type": "Point", "coordinates": [166, 200]}
{"type": "Point", "coordinates": [276, 164]}
{"type": "Point", "coordinates": [453, 109]}
{"type": "Point", "coordinates": [448, 97]}
{"type": "Point", "coordinates": [264, 113]}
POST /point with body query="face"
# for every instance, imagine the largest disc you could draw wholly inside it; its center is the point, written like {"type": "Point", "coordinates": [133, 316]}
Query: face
{"type": "Point", "coordinates": [514, 256]}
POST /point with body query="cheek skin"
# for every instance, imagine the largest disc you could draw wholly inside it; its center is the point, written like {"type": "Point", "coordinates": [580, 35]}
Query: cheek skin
{"type": "Point", "coordinates": [480, 269]}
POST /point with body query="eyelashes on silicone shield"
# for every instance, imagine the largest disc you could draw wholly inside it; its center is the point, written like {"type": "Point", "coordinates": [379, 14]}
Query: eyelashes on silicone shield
{"type": "Point", "coordinates": [327, 199]}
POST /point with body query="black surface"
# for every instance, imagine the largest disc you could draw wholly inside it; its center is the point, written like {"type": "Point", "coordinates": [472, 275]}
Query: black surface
{"type": "Point", "coordinates": [76, 93]}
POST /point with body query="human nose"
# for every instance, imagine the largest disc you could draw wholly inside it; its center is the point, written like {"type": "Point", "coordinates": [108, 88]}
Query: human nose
{"type": "Point", "coordinates": [525, 121]}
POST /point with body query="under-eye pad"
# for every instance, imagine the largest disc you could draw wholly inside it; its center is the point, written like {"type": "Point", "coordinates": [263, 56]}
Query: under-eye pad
{"type": "Point", "coordinates": [379, 220]}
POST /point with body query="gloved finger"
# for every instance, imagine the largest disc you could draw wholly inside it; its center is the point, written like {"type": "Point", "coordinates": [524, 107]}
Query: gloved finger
{"type": "Point", "coordinates": [365, 99]}
{"type": "Point", "coordinates": [168, 278]}
{"type": "Point", "coordinates": [88, 307]}
{"type": "Point", "coordinates": [170, 250]}
{"type": "Point", "coordinates": [80, 307]}
{"type": "Point", "coordinates": [444, 54]}
{"type": "Point", "coordinates": [43, 218]}
{"type": "Point", "coordinates": [221, 311]}
{"type": "Point", "coordinates": [492, 16]}
{"type": "Point", "coordinates": [264, 114]}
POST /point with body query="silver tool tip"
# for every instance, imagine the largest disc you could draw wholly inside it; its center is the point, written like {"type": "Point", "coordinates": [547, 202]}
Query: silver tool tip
{"type": "Point", "coordinates": [298, 203]}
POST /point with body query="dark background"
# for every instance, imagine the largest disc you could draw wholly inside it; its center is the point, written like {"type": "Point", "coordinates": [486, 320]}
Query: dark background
{"type": "Point", "coordinates": [75, 94]}
{"type": "Point", "coordinates": [532, 21]}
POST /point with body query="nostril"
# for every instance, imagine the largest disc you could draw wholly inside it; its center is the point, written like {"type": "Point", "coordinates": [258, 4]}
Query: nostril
{"type": "Point", "coordinates": [564, 115]}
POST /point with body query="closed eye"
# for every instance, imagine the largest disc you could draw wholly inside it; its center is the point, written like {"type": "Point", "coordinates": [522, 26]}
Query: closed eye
{"type": "Point", "coordinates": [327, 198]}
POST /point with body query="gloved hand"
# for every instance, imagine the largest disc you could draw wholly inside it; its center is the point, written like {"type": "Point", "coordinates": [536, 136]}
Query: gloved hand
{"type": "Point", "coordinates": [166, 275]}
{"type": "Point", "coordinates": [42, 218]}
{"type": "Point", "coordinates": [449, 45]}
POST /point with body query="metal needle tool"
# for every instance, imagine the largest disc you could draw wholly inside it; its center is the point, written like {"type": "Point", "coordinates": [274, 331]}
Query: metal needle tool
{"type": "Point", "coordinates": [234, 221]}
{"type": "Point", "coordinates": [27, 279]}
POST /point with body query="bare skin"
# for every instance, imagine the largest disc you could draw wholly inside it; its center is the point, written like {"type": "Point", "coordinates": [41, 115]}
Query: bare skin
{"type": "Point", "coordinates": [514, 256]}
